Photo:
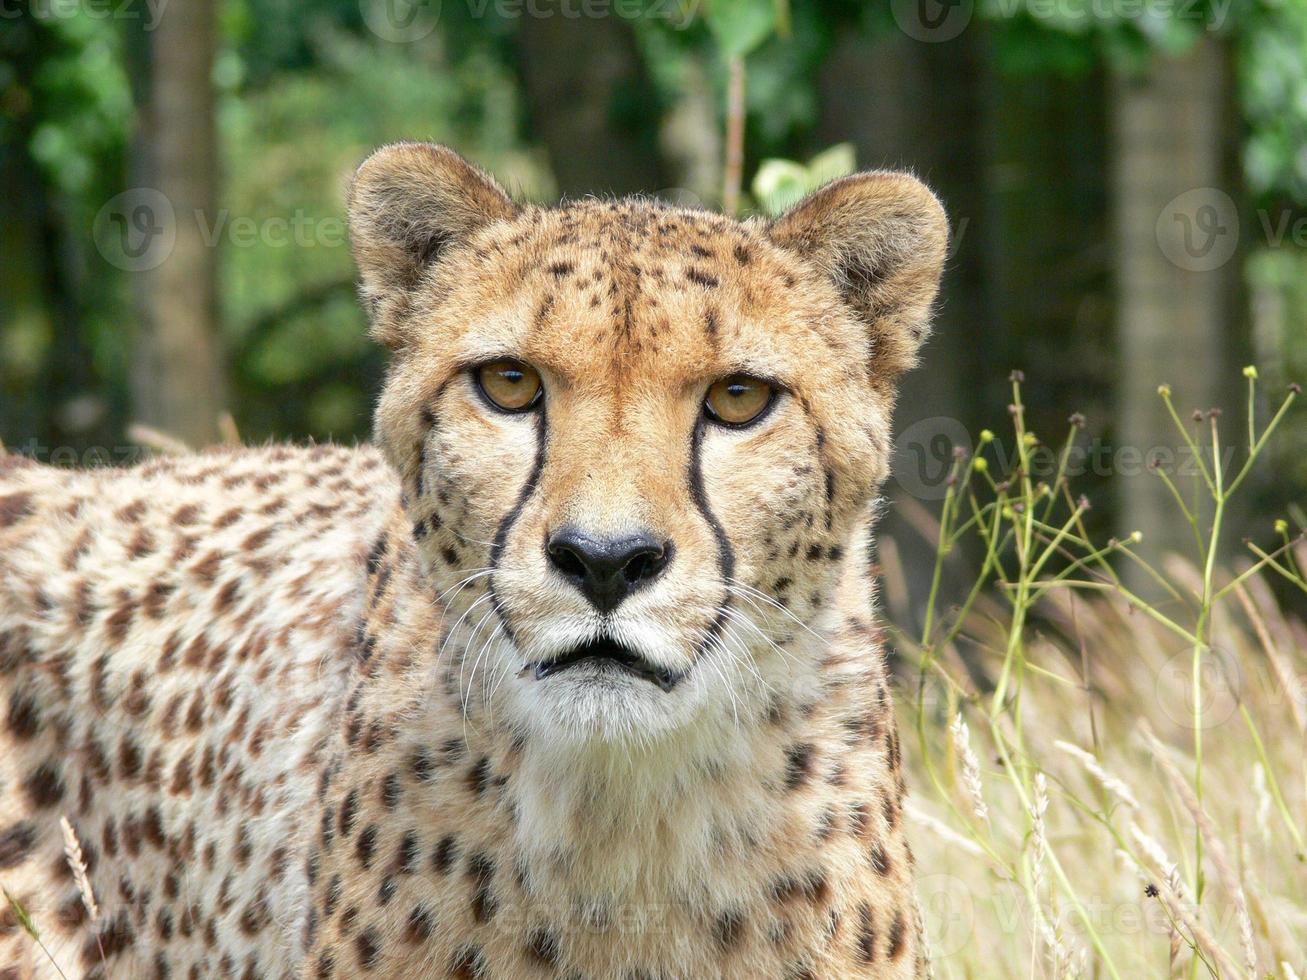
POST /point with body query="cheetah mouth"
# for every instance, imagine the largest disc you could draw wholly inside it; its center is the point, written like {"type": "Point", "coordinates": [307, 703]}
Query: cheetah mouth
{"type": "Point", "coordinates": [609, 655]}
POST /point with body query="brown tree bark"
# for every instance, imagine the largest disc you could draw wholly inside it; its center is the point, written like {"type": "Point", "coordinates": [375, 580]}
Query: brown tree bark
{"type": "Point", "coordinates": [178, 383]}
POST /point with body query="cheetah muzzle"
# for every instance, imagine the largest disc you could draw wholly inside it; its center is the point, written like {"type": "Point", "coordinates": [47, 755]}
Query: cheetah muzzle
{"type": "Point", "coordinates": [577, 674]}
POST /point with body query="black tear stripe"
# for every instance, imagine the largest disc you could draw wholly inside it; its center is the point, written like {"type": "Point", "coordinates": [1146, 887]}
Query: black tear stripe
{"type": "Point", "coordinates": [506, 525]}
{"type": "Point", "coordinates": [725, 553]}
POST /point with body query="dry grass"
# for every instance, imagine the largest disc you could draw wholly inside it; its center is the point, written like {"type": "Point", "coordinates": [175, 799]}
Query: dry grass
{"type": "Point", "coordinates": [1106, 786]}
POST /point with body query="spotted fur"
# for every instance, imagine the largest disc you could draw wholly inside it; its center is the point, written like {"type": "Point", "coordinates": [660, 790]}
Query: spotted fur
{"type": "Point", "coordinates": [285, 695]}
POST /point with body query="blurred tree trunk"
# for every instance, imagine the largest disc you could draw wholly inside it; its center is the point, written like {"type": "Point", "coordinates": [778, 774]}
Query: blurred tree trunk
{"type": "Point", "coordinates": [177, 373]}
{"type": "Point", "coordinates": [905, 104]}
{"type": "Point", "coordinates": [1176, 234]}
{"type": "Point", "coordinates": [590, 103]}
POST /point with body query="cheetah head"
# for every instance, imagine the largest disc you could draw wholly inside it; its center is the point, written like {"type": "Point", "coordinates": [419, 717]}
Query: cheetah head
{"type": "Point", "coordinates": [637, 442]}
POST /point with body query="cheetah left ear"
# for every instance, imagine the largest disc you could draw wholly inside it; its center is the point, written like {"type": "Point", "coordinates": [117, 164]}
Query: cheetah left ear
{"type": "Point", "coordinates": [882, 237]}
{"type": "Point", "coordinates": [409, 205]}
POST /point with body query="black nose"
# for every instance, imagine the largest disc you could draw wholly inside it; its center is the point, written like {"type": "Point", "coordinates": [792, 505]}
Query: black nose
{"type": "Point", "coordinates": [607, 570]}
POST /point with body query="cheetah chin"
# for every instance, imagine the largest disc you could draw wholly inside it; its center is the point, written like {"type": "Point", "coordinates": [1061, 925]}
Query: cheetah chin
{"type": "Point", "coordinates": [577, 674]}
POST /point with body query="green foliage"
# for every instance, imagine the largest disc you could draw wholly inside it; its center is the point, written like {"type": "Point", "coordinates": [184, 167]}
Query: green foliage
{"type": "Point", "coordinates": [66, 90]}
{"type": "Point", "coordinates": [1069, 36]}
{"type": "Point", "coordinates": [779, 184]}
{"type": "Point", "coordinates": [1273, 94]}
{"type": "Point", "coordinates": [739, 26]}
{"type": "Point", "coordinates": [290, 146]}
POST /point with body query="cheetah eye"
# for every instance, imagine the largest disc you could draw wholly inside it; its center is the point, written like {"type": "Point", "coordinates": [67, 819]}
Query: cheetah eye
{"type": "Point", "coordinates": [509, 385]}
{"type": "Point", "coordinates": [738, 399]}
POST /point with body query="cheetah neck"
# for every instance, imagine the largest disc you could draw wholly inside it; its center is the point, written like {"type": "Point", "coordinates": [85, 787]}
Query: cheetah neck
{"type": "Point", "coordinates": [641, 823]}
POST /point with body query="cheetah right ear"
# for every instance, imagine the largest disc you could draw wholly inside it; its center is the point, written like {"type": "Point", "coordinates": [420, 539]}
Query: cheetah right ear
{"type": "Point", "coordinates": [408, 204]}
{"type": "Point", "coordinates": [881, 236]}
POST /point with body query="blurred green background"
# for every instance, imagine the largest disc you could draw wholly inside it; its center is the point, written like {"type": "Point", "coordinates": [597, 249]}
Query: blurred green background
{"type": "Point", "coordinates": [1126, 181]}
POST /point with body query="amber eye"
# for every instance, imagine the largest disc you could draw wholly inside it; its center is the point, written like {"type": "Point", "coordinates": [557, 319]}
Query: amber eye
{"type": "Point", "coordinates": [738, 399]}
{"type": "Point", "coordinates": [510, 385]}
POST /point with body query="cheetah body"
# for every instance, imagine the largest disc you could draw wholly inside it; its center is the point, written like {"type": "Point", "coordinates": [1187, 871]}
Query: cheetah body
{"type": "Point", "coordinates": [285, 697]}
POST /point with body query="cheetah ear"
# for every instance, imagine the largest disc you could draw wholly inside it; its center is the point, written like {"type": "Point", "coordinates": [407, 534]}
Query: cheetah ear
{"type": "Point", "coordinates": [409, 203]}
{"type": "Point", "coordinates": [882, 237]}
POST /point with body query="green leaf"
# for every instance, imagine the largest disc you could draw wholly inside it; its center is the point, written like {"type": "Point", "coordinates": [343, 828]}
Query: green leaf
{"type": "Point", "coordinates": [740, 25]}
{"type": "Point", "coordinates": [21, 915]}
{"type": "Point", "coordinates": [778, 184]}
{"type": "Point", "coordinates": [831, 164]}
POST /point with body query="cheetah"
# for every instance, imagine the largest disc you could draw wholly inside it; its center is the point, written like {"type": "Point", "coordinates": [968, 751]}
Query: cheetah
{"type": "Point", "coordinates": [576, 675]}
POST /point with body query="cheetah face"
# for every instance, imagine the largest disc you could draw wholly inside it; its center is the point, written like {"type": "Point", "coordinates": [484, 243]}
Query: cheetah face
{"type": "Point", "coordinates": [636, 440]}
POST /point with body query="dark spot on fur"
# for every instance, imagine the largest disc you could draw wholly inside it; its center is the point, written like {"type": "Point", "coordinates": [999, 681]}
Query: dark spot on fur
{"type": "Point", "coordinates": [880, 859]}
{"type": "Point", "coordinates": [467, 964]}
{"type": "Point", "coordinates": [446, 852]}
{"type": "Point", "coordinates": [478, 776]}
{"type": "Point", "coordinates": [348, 809]}
{"type": "Point", "coordinates": [866, 934]}
{"type": "Point", "coordinates": [368, 946]}
{"type": "Point", "coordinates": [332, 898]}
{"type": "Point", "coordinates": [406, 857]}
{"type": "Point", "coordinates": [16, 843]}
{"type": "Point", "coordinates": [421, 924]}
{"type": "Point", "coordinates": [390, 791]}
{"type": "Point", "coordinates": [422, 765]}
{"type": "Point", "coordinates": [14, 507]}
{"type": "Point", "coordinates": [728, 928]}
{"type": "Point", "coordinates": [897, 935]}
{"type": "Point", "coordinates": [367, 845]}
{"type": "Point", "coordinates": [481, 871]}
{"type": "Point", "coordinates": [24, 715]}
{"type": "Point", "coordinates": [798, 765]}
{"type": "Point", "coordinates": [45, 785]}
{"type": "Point", "coordinates": [542, 947]}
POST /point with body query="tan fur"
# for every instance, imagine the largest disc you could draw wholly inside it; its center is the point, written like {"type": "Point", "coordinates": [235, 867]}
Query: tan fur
{"type": "Point", "coordinates": [285, 696]}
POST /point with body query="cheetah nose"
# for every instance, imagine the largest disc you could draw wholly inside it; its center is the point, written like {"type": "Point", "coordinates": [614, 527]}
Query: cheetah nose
{"type": "Point", "coordinates": [607, 569]}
